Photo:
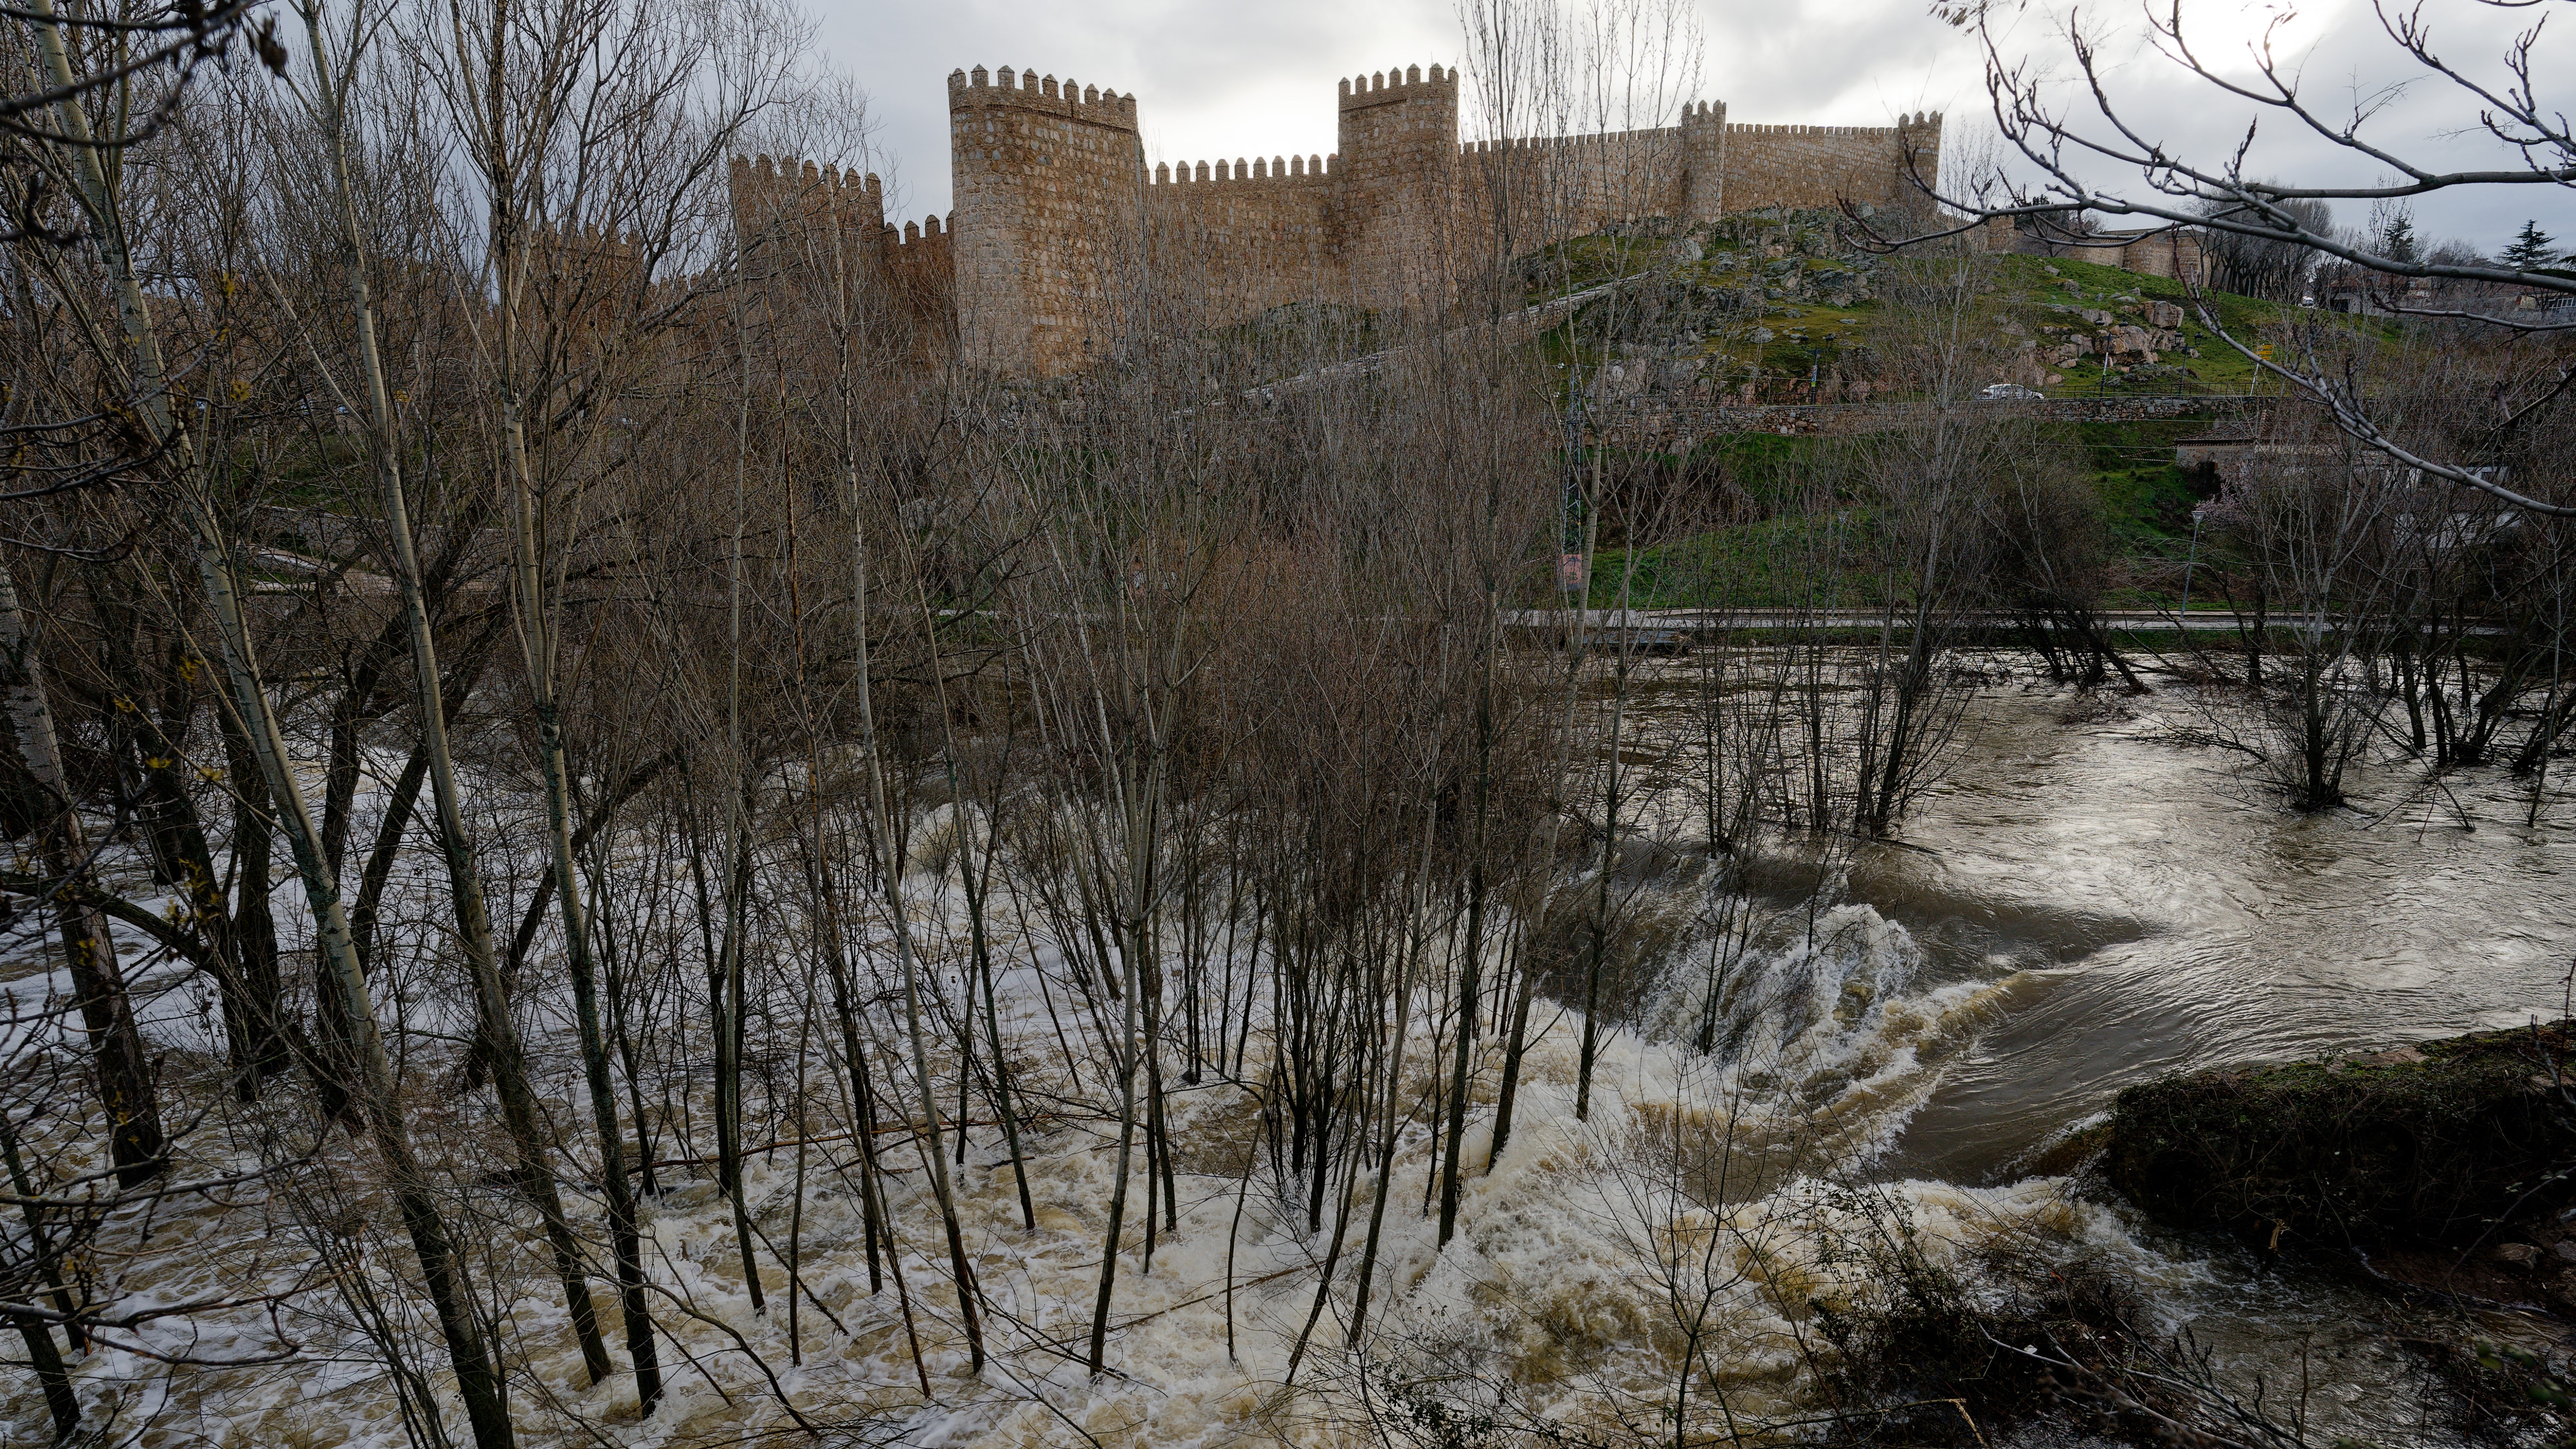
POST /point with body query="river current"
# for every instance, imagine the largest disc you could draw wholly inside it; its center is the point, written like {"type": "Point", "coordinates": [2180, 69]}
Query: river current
{"type": "Point", "coordinates": [2141, 904]}
{"type": "Point", "coordinates": [2118, 903]}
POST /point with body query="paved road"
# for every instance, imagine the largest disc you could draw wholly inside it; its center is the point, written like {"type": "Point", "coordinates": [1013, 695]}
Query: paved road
{"type": "Point", "coordinates": [1707, 621]}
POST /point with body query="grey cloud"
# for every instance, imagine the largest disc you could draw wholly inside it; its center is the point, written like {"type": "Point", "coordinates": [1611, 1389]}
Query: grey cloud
{"type": "Point", "coordinates": [1218, 80]}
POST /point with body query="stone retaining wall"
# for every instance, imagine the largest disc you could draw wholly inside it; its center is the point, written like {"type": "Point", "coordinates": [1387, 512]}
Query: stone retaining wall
{"type": "Point", "coordinates": [1687, 424]}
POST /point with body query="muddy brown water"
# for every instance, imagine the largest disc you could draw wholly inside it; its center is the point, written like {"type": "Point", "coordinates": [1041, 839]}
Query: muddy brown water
{"type": "Point", "coordinates": [2144, 906]}
{"type": "Point", "coordinates": [2152, 910]}
{"type": "Point", "coordinates": [2138, 906]}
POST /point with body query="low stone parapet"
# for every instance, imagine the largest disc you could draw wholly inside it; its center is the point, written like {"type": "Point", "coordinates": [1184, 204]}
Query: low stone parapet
{"type": "Point", "coordinates": [1647, 421]}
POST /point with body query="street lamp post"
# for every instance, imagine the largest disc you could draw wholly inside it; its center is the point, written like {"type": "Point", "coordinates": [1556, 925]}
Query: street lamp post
{"type": "Point", "coordinates": [2190, 559]}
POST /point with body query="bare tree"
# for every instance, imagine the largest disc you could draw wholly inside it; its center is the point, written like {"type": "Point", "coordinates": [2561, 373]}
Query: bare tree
{"type": "Point", "coordinates": [2078, 148]}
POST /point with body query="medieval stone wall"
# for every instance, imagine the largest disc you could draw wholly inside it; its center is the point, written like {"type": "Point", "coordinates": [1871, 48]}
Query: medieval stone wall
{"type": "Point", "coordinates": [2153, 252]}
{"type": "Point", "coordinates": [1057, 212]}
{"type": "Point", "coordinates": [1394, 201]}
{"type": "Point", "coordinates": [1818, 166]}
{"type": "Point", "coordinates": [818, 237]}
{"type": "Point", "coordinates": [1048, 188]}
{"type": "Point", "coordinates": [2167, 253]}
{"type": "Point", "coordinates": [1244, 236]}
{"type": "Point", "coordinates": [1521, 194]}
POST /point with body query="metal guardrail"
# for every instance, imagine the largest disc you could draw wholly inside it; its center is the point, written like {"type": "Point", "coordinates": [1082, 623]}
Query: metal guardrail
{"type": "Point", "coordinates": [1656, 626]}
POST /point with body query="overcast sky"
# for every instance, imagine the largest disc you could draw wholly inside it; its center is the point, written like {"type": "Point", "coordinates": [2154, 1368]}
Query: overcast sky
{"type": "Point", "coordinates": [1215, 79]}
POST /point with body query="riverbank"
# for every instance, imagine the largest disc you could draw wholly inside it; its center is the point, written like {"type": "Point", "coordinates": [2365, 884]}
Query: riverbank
{"type": "Point", "coordinates": [2438, 1176]}
{"type": "Point", "coordinates": [2444, 1143]}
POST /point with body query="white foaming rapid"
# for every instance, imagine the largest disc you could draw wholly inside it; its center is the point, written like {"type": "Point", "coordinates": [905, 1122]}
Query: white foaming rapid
{"type": "Point", "coordinates": [1829, 1011]}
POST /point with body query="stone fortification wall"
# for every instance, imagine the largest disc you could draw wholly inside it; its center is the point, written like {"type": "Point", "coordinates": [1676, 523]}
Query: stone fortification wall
{"type": "Point", "coordinates": [802, 225]}
{"type": "Point", "coordinates": [1818, 166]}
{"type": "Point", "coordinates": [1048, 184]}
{"type": "Point", "coordinates": [1394, 203]}
{"type": "Point", "coordinates": [779, 205]}
{"type": "Point", "coordinates": [1054, 204]}
{"type": "Point", "coordinates": [921, 267]}
{"type": "Point", "coordinates": [1554, 187]}
{"type": "Point", "coordinates": [2167, 253]}
{"type": "Point", "coordinates": [919, 258]}
{"type": "Point", "coordinates": [2153, 252]}
{"type": "Point", "coordinates": [1248, 235]}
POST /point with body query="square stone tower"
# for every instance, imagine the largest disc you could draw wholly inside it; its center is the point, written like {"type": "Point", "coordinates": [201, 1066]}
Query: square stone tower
{"type": "Point", "coordinates": [1396, 191]}
{"type": "Point", "coordinates": [1049, 182]}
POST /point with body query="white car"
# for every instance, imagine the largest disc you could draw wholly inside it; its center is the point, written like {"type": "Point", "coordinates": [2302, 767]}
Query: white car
{"type": "Point", "coordinates": [2009, 392]}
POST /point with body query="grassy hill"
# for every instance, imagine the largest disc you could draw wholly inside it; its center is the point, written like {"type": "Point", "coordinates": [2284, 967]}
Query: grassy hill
{"type": "Point", "coordinates": [1773, 299]}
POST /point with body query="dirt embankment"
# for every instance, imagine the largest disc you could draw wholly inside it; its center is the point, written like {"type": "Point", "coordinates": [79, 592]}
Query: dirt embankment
{"type": "Point", "coordinates": [2443, 1165]}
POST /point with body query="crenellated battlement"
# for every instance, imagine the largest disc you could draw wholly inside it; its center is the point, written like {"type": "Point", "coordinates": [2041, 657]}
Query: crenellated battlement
{"type": "Point", "coordinates": [770, 194]}
{"type": "Point", "coordinates": [1905, 125]}
{"type": "Point", "coordinates": [764, 174]}
{"type": "Point", "coordinates": [1299, 170]}
{"type": "Point", "coordinates": [1604, 142]}
{"type": "Point", "coordinates": [812, 231]}
{"type": "Point", "coordinates": [766, 192]}
{"type": "Point", "coordinates": [1756, 129]}
{"type": "Point", "coordinates": [1055, 197]}
{"type": "Point", "coordinates": [1028, 91]}
{"type": "Point", "coordinates": [915, 232]}
{"type": "Point", "coordinates": [1380, 87]}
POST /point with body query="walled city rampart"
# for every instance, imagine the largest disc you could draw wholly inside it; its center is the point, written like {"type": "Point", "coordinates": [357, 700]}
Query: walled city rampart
{"type": "Point", "coordinates": [1056, 207]}
{"type": "Point", "coordinates": [822, 233]}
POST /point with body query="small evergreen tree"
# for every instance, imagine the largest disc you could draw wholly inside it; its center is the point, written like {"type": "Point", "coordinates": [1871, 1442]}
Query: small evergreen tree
{"type": "Point", "coordinates": [2397, 238]}
{"type": "Point", "coordinates": [2531, 250]}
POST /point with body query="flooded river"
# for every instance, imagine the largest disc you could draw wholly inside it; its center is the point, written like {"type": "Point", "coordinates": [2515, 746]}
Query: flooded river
{"type": "Point", "coordinates": [2136, 904]}
{"type": "Point", "coordinates": [2086, 901]}
{"type": "Point", "coordinates": [2148, 910]}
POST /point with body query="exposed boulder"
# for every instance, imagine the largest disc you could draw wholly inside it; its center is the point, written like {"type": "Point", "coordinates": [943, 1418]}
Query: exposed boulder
{"type": "Point", "coordinates": [2129, 344]}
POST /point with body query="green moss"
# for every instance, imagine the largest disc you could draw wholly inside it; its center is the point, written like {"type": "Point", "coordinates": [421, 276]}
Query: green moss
{"type": "Point", "coordinates": [2146, 500]}
{"type": "Point", "coordinates": [2432, 1144]}
{"type": "Point", "coordinates": [1787, 561]}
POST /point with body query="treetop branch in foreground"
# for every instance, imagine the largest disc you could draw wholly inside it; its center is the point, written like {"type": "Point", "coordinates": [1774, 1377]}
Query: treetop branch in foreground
{"type": "Point", "coordinates": [2063, 153]}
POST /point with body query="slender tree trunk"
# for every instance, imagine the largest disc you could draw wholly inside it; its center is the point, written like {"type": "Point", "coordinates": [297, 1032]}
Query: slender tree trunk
{"type": "Point", "coordinates": [1390, 1085]}
{"type": "Point", "coordinates": [1514, 1043]}
{"type": "Point", "coordinates": [978, 885]}
{"type": "Point", "coordinates": [885, 856]}
{"type": "Point", "coordinates": [1128, 1059]}
{"type": "Point", "coordinates": [1472, 963]}
{"type": "Point", "coordinates": [520, 1112]}
{"type": "Point", "coordinates": [862, 1096]}
{"type": "Point", "coordinates": [46, 1358]}
{"type": "Point", "coordinates": [254, 1043]}
{"type": "Point", "coordinates": [1332, 1255]}
{"type": "Point", "coordinates": [124, 1070]}
{"type": "Point", "coordinates": [1157, 1128]}
{"type": "Point", "coordinates": [42, 1353]}
{"type": "Point", "coordinates": [1600, 924]}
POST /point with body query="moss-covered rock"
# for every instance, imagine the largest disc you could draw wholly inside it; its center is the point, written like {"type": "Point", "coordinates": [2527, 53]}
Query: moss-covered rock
{"type": "Point", "coordinates": [2429, 1144]}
